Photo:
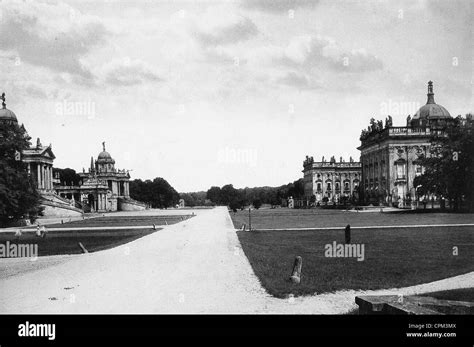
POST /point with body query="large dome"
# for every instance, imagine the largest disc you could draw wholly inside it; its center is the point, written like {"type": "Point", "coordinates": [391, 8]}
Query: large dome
{"type": "Point", "coordinates": [7, 116]}
{"type": "Point", "coordinates": [104, 156]}
{"type": "Point", "coordinates": [431, 111]}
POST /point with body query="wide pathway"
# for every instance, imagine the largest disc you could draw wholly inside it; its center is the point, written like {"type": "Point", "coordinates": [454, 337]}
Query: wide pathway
{"type": "Point", "coordinates": [196, 266]}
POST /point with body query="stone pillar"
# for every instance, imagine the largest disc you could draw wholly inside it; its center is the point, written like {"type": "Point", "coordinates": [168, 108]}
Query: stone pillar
{"type": "Point", "coordinates": [43, 175]}
{"type": "Point", "coordinates": [46, 176]}
{"type": "Point", "coordinates": [51, 176]}
{"type": "Point", "coordinates": [38, 175]}
{"type": "Point", "coordinates": [29, 169]}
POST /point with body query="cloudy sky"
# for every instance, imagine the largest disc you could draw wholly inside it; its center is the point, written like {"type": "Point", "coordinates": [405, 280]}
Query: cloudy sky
{"type": "Point", "coordinates": [213, 92]}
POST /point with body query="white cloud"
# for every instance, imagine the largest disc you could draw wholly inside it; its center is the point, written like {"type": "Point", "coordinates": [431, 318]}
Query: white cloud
{"type": "Point", "coordinates": [128, 72]}
{"type": "Point", "coordinates": [55, 36]}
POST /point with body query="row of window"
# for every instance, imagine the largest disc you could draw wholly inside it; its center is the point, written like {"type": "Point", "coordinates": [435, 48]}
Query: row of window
{"type": "Point", "coordinates": [338, 187]}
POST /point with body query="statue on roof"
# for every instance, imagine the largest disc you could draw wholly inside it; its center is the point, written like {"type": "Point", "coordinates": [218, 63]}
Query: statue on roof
{"type": "Point", "coordinates": [379, 125]}
{"type": "Point", "coordinates": [373, 125]}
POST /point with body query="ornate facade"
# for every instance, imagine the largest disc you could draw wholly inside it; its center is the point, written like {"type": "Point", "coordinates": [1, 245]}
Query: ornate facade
{"type": "Point", "coordinates": [39, 161]}
{"type": "Point", "coordinates": [391, 155]}
{"type": "Point", "coordinates": [331, 179]}
{"type": "Point", "coordinates": [103, 185]}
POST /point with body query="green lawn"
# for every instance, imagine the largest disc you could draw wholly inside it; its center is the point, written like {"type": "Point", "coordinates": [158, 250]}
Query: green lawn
{"type": "Point", "coordinates": [111, 220]}
{"type": "Point", "coordinates": [393, 258]}
{"type": "Point", "coordinates": [66, 242]}
{"type": "Point", "coordinates": [464, 294]}
{"type": "Point", "coordinates": [319, 218]}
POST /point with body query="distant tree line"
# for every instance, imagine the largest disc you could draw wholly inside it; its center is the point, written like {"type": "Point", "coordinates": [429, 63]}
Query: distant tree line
{"type": "Point", "coordinates": [157, 193]}
{"type": "Point", "coordinates": [196, 199]}
{"type": "Point", "coordinates": [239, 198]}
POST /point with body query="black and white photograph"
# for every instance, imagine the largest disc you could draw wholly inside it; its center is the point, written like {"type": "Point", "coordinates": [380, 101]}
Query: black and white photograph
{"type": "Point", "coordinates": [277, 167]}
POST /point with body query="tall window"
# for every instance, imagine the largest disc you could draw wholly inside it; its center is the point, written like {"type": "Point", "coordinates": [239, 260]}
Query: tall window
{"type": "Point", "coordinates": [401, 170]}
{"type": "Point", "coordinates": [419, 170]}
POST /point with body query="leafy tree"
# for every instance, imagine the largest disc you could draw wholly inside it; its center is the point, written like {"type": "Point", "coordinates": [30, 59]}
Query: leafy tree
{"type": "Point", "coordinates": [214, 194]}
{"type": "Point", "coordinates": [157, 193]}
{"type": "Point", "coordinates": [449, 170]}
{"type": "Point", "coordinates": [19, 197]}
{"type": "Point", "coordinates": [257, 203]}
{"type": "Point", "coordinates": [68, 177]}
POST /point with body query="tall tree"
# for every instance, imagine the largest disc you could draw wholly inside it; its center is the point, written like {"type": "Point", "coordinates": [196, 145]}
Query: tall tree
{"type": "Point", "coordinates": [449, 170]}
{"type": "Point", "coordinates": [214, 194]}
{"type": "Point", "coordinates": [19, 197]}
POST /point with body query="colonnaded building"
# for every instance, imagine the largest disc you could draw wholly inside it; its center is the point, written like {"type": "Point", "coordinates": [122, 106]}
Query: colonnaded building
{"type": "Point", "coordinates": [391, 155]}
{"type": "Point", "coordinates": [103, 188]}
{"type": "Point", "coordinates": [333, 180]}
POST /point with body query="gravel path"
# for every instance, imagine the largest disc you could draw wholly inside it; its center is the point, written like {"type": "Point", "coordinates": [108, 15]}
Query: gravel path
{"type": "Point", "coordinates": [196, 266]}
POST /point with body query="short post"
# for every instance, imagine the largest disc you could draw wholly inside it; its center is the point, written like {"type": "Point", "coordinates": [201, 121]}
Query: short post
{"type": "Point", "coordinates": [84, 250]}
{"type": "Point", "coordinates": [347, 234]}
{"type": "Point", "coordinates": [296, 273]}
{"type": "Point", "coordinates": [250, 221]}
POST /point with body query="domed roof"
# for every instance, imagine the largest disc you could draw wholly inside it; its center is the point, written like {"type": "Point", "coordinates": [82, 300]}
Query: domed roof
{"type": "Point", "coordinates": [7, 115]}
{"type": "Point", "coordinates": [105, 156]}
{"type": "Point", "coordinates": [431, 110]}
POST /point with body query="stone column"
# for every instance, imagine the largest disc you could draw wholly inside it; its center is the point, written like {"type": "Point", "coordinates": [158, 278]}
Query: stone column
{"type": "Point", "coordinates": [51, 176]}
{"type": "Point", "coordinates": [38, 174]}
{"type": "Point", "coordinates": [46, 176]}
{"type": "Point", "coordinates": [29, 169]}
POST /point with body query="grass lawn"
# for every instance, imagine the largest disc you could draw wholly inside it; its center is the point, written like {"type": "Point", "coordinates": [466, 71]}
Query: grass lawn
{"type": "Point", "coordinates": [66, 242]}
{"type": "Point", "coordinates": [319, 218]}
{"type": "Point", "coordinates": [110, 220]}
{"type": "Point", "coordinates": [393, 258]}
{"type": "Point", "coordinates": [465, 294]}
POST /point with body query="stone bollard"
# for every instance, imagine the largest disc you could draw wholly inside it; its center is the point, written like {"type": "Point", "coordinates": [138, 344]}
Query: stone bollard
{"type": "Point", "coordinates": [347, 234]}
{"type": "Point", "coordinates": [84, 250]}
{"type": "Point", "coordinates": [296, 274]}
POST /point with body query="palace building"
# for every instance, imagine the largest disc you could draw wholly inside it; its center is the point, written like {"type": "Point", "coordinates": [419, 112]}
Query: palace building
{"type": "Point", "coordinates": [103, 188]}
{"type": "Point", "coordinates": [336, 181]}
{"type": "Point", "coordinates": [39, 160]}
{"type": "Point", "coordinates": [390, 155]}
